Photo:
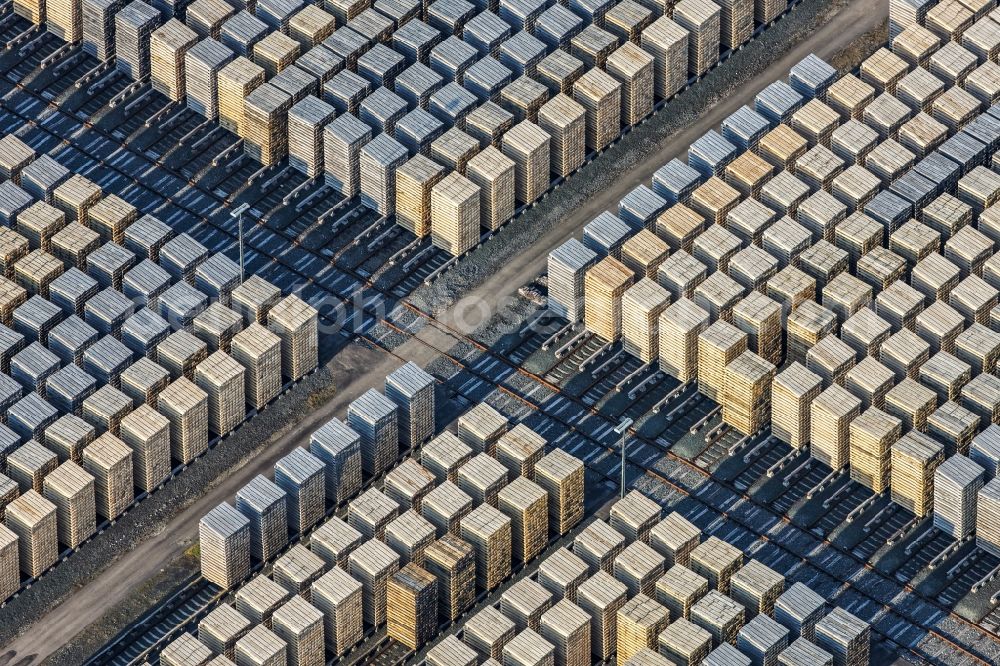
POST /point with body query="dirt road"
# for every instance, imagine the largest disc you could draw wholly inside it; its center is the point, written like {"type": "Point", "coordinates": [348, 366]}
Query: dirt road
{"type": "Point", "coordinates": [356, 370]}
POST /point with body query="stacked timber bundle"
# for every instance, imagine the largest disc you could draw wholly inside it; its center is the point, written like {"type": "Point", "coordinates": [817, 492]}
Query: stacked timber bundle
{"type": "Point", "coordinates": [957, 481]}
{"type": "Point", "coordinates": [455, 214]}
{"type": "Point", "coordinates": [736, 22]}
{"type": "Point", "coordinates": [519, 449]}
{"type": "Point", "coordinates": [987, 536]}
{"type": "Point", "coordinates": [831, 358]}
{"type": "Point", "coordinates": [718, 345]}
{"type": "Point", "coordinates": [844, 635]}
{"type": "Point", "coordinates": [258, 599]}
{"type": "Point", "coordinates": [880, 268]}
{"type": "Point", "coordinates": [258, 350]}
{"type": "Point", "coordinates": [265, 114]}
{"type": "Point", "coordinates": [869, 380]}
{"type": "Point", "coordinates": [222, 628]}
{"type": "Point", "coordinates": [408, 483]}
{"type": "Point", "coordinates": [746, 399]}
{"type": "Point", "coordinates": [72, 244]}
{"type": "Point", "coordinates": [109, 461]}
{"type": "Point", "coordinates": [71, 489]}
{"type": "Point", "coordinates": [718, 295]}
{"type": "Point", "coordinates": [748, 173]}
{"type": "Point", "coordinates": [703, 21]}
{"type": "Point", "coordinates": [333, 541]}
{"type": "Point", "coordinates": [75, 196]}
{"type": "Point", "coordinates": [39, 223]}
{"type": "Point", "coordinates": [953, 425]}
{"type": "Point", "coordinates": [235, 82]}
{"type": "Point", "coordinates": [978, 346]}
{"type": "Point", "coordinates": [667, 42]}
{"type": "Point", "coordinates": [914, 458]}
{"type": "Point", "coordinates": [147, 433]}
{"type": "Point", "coordinates": [180, 353]}
{"type": "Point", "coordinates": [443, 455]}
{"type": "Point", "coordinates": [674, 538]}
{"type": "Point", "coordinates": [222, 379]}
{"type": "Point", "coordinates": [526, 504]}
{"type": "Point", "coordinates": [373, 563]}
{"type": "Point", "coordinates": [445, 506]}
{"type": "Point", "coordinates": [721, 616]}
{"type": "Point", "coordinates": [872, 435]}
{"type": "Point", "coordinates": [305, 134]}
{"type": "Point", "coordinates": [494, 174]}
{"type": "Point", "coordinates": [217, 325]}
{"type": "Point", "coordinates": [451, 652]}
{"type": "Point", "coordinates": [414, 181]}
{"type": "Point", "coordinates": [15, 154]}
{"type": "Point", "coordinates": [604, 286]}
{"type": "Point", "coordinates": [371, 512]}
{"type": "Point", "coordinates": [567, 627]}
{"type": "Point", "coordinates": [412, 606]}
{"type": "Point", "coordinates": [680, 326]}
{"type": "Point", "coordinates": [378, 161]}
{"type": "Point", "coordinates": [598, 545]}
{"type": "Point", "coordinates": [634, 516]}
{"type": "Point", "coordinates": [639, 567]}
{"type": "Point", "coordinates": [167, 48]}
{"type": "Point", "coordinates": [410, 535]}
{"type": "Point", "coordinates": [760, 318]}
{"type": "Point", "coordinates": [202, 63]}
{"type": "Point", "coordinates": [482, 478]}
{"type": "Point", "coordinates": [922, 134]}
{"type": "Point", "coordinates": [717, 561]}
{"type": "Point", "coordinates": [564, 120]}
{"type": "Point", "coordinates": [641, 307]}
{"type": "Point", "coordinates": [481, 427]}
{"type": "Point", "coordinates": [295, 322]}
{"type": "Point", "coordinates": [185, 650]}
{"type": "Point", "coordinates": [297, 570]}
{"type": "Point", "coordinates": [488, 531]}
{"type": "Point", "coordinates": [684, 642]}
{"type": "Point", "coordinates": [640, 621]}
{"type": "Point", "coordinates": [945, 375]}
{"type": "Point", "coordinates": [562, 477]}
{"type": "Point", "coordinates": [525, 602]}
{"type": "Point", "coordinates": [133, 26]}
{"type": "Point", "coordinates": [633, 68]}
{"type": "Point", "coordinates": [644, 252]}
{"type": "Point", "coordinates": [528, 649]}
{"type": "Point", "coordinates": [600, 95]}
{"type": "Point", "coordinates": [852, 142]}
{"type": "Point", "coordinates": [601, 596]}
{"type": "Point", "coordinates": [883, 70]}
{"type": "Point", "coordinates": [186, 407]}
{"type": "Point", "coordinates": [488, 123]}
{"type": "Point", "coordinates": [791, 287]}
{"type": "Point", "coordinates": [529, 147]}
{"type": "Point", "coordinates": [756, 587]}
{"type": "Point", "coordinates": [831, 415]}
{"type": "Point", "coordinates": [678, 589]}
{"type": "Point", "coordinates": [792, 393]}
{"type": "Point", "coordinates": [782, 147]}
{"type": "Point", "coordinates": [903, 353]}
{"type": "Point", "coordinates": [488, 631]}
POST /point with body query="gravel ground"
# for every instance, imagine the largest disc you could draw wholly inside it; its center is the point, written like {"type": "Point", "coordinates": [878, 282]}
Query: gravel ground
{"type": "Point", "coordinates": [149, 517]}
{"type": "Point", "coordinates": [634, 147]}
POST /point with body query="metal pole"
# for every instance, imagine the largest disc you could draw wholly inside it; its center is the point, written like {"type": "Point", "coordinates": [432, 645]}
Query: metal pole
{"type": "Point", "coordinates": [242, 269]}
{"type": "Point", "coordinates": [238, 214]}
{"type": "Point", "coordinates": [622, 429]}
{"type": "Point", "coordinates": [622, 489]}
